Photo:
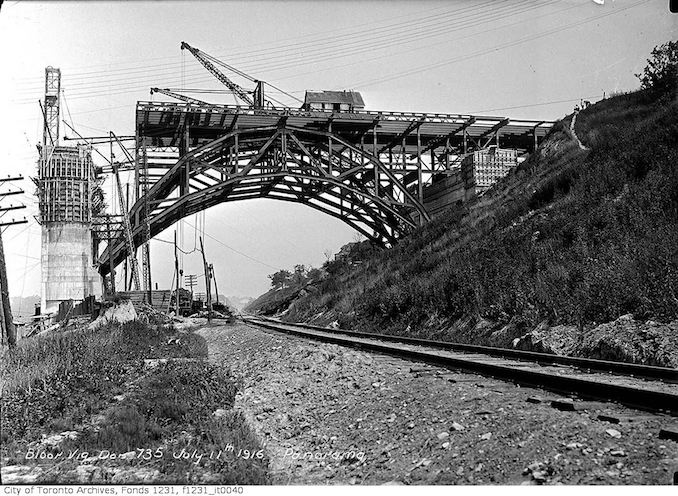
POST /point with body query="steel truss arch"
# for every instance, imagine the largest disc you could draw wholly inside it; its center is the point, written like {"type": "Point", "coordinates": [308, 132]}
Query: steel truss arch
{"type": "Point", "coordinates": [317, 168]}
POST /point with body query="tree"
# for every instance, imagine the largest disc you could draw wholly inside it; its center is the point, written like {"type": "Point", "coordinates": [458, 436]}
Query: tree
{"type": "Point", "coordinates": [661, 72]}
{"type": "Point", "coordinates": [315, 274]}
{"type": "Point", "coordinates": [280, 279]}
{"type": "Point", "coordinates": [299, 276]}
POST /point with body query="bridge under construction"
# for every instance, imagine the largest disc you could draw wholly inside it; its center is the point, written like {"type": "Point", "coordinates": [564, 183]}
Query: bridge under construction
{"type": "Point", "coordinates": [370, 169]}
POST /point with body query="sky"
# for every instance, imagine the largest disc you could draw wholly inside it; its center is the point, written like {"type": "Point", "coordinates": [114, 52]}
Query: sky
{"type": "Point", "coordinates": [532, 59]}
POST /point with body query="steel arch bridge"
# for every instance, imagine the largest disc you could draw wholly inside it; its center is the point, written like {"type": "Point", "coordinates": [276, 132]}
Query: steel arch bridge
{"type": "Point", "coordinates": [365, 168]}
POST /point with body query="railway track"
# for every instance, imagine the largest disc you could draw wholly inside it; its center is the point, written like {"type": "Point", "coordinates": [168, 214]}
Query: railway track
{"type": "Point", "coordinates": [639, 386]}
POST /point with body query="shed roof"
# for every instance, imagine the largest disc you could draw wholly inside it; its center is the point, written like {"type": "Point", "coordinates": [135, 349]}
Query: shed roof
{"type": "Point", "coordinates": [351, 97]}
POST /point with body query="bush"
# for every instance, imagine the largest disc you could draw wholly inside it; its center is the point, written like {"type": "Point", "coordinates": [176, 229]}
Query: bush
{"type": "Point", "coordinates": [583, 238]}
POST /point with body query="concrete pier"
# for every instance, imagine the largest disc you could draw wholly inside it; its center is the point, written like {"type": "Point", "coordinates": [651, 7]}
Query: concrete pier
{"type": "Point", "coordinates": [67, 271]}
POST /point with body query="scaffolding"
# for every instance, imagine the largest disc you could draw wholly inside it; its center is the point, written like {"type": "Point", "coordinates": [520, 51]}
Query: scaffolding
{"type": "Point", "coordinates": [66, 180]}
{"type": "Point", "coordinates": [69, 196]}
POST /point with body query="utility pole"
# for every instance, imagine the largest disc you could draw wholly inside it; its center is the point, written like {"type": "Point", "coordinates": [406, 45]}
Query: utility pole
{"type": "Point", "coordinates": [127, 258]}
{"type": "Point", "coordinates": [110, 253]}
{"type": "Point", "coordinates": [208, 284]}
{"type": "Point", "coordinates": [8, 329]}
{"type": "Point", "coordinates": [176, 268]}
{"type": "Point", "coordinates": [216, 289]}
{"type": "Point", "coordinates": [6, 319]}
{"type": "Point", "coordinates": [191, 281]}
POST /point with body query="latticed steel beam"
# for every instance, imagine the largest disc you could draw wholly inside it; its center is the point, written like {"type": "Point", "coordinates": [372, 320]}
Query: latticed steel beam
{"type": "Point", "coordinates": [178, 96]}
{"type": "Point", "coordinates": [280, 160]}
{"type": "Point", "coordinates": [236, 89]}
{"type": "Point", "coordinates": [438, 142]}
{"type": "Point", "coordinates": [414, 125]}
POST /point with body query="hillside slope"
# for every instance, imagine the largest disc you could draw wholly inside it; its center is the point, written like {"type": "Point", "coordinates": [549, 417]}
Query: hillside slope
{"type": "Point", "coordinates": [574, 238]}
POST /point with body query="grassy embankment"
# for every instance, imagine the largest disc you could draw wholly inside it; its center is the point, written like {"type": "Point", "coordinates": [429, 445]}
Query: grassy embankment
{"type": "Point", "coordinates": [95, 383]}
{"type": "Point", "coordinates": [574, 236]}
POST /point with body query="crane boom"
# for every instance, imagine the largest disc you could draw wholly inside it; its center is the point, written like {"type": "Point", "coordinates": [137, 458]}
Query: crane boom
{"type": "Point", "coordinates": [178, 96]}
{"type": "Point", "coordinates": [236, 89]}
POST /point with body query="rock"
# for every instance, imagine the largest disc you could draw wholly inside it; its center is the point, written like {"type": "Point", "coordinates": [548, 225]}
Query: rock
{"type": "Point", "coordinates": [558, 340]}
{"type": "Point", "coordinates": [139, 475]}
{"type": "Point", "coordinates": [613, 433]}
{"type": "Point", "coordinates": [446, 445]}
{"type": "Point", "coordinates": [84, 473]}
{"type": "Point", "coordinates": [617, 452]}
{"type": "Point", "coordinates": [628, 340]}
{"type": "Point", "coordinates": [573, 446]}
{"type": "Point", "coordinates": [220, 412]}
{"type": "Point", "coordinates": [535, 399]}
{"type": "Point", "coordinates": [443, 435]}
{"type": "Point", "coordinates": [20, 474]}
{"type": "Point", "coordinates": [486, 436]}
{"type": "Point", "coordinates": [565, 405]}
{"type": "Point", "coordinates": [53, 440]}
{"type": "Point", "coordinates": [539, 476]}
{"type": "Point", "coordinates": [457, 427]}
{"type": "Point", "coordinates": [410, 425]}
{"type": "Point", "coordinates": [121, 313]}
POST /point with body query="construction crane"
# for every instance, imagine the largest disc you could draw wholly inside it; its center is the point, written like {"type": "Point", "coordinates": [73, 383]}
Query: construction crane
{"type": "Point", "coordinates": [206, 60]}
{"type": "Point", "coordinates": [50, 112]}
{"type": "Point", "coordinates": [178, 96]}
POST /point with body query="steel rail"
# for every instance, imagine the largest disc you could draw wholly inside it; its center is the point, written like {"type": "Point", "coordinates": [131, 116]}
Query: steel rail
{"type": "Point", "coordinates": [636, 397]}
{"type": "Point", "coordinates": [631, 369]}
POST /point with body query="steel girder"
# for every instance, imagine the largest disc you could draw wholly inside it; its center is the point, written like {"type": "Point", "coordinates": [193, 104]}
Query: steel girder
{"type": "Point", "coordinates": [313, 167]}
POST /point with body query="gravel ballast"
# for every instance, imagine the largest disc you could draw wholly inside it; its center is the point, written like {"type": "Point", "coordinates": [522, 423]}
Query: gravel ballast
{"type": "Point", "coordinates": [333, 415]}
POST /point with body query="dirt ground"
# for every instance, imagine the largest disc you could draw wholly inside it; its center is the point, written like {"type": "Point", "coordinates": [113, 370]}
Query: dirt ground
{"type": "Point", "coordinates": [333, 415]}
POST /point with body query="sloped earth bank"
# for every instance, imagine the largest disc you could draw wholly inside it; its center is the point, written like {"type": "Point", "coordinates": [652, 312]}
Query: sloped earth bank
{"type": "Point", "coordinates": [332, 415]}
{"type": "Point", "coordinates": [624, 340]}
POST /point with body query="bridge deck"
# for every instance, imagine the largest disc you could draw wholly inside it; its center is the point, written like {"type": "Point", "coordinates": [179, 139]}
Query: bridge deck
{"type": "Point", "coordinates": [160, 121]}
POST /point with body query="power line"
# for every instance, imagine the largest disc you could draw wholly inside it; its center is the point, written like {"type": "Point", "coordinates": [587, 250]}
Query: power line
{"type": "Point", "coordinates": [427, 67]}
{"type": "Point", "coordinates": [535, 104]}
{"type": "Point", "coordinates": [324, 56]}
{"type": "Point", "coordinates": [247, 49]}
{"type": "Point", "coordinates": [234, 250]}
{"type": "Point", "coordinates": [361, 46]}
{"type": "Point", "coordinates": [221, 243]}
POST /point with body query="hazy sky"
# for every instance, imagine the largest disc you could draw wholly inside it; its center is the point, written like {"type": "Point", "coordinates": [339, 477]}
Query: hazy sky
{"type": "Point", "coordinates": [519, 58]}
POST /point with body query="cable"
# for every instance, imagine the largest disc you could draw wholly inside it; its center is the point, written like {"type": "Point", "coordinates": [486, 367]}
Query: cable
{"type": "Point", "coordinates": [247, 49]}
{"type": "Point", "coordinates": [535, 104]}
{"type": "Point", "coordinates": [172, 243]}
{"type": "Point", "coordinates": [26, 272]}
{"type": "Point", "coordinates": [25, 228]}
{"type": "Point", "coordinates": [236, 251]}
{"type": "Point", "coordinates": [428, 67]}
{"type": "Point", "coordinates": [383, 43]}
{"type": "Point", "coordinates": [63, 96]}
{"type": "Point", "coordinates": [324, 57]}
